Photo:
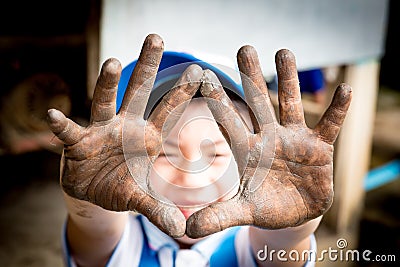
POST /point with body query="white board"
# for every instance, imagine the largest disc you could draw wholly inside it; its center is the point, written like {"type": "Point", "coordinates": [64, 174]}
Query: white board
{"type": "Point", "coordinates": [319, 32]}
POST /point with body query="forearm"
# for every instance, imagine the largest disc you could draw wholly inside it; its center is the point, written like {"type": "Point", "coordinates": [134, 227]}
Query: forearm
{"type": "Point", "coordinates": [276, 241]}
{"type": "Point", "coordinates": [92, 232]}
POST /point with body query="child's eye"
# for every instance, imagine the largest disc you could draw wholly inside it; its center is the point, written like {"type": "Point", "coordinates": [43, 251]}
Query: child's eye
{"type": "Point", "coordinates": [219, 155]}
{"type": "Point", "coordinates": [163, 155]}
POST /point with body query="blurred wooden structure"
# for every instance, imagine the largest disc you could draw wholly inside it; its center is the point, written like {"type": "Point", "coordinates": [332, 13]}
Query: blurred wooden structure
{"type": "Point", "coordinates": [353, 153]}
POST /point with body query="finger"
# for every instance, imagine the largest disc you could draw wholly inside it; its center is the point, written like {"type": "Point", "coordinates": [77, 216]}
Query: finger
{"type": "Point", "coordinates": [218, 217]}
{"type": "Point", "coordinates": [290, 106]}
{"type": "Point", "coordinates": [225, 113]}
{"type": "Point", "coordinates": [65, 129]}
{"type": "Point", "coordinates": [167, 217]}
{"type": "Point", "coordinates": [104, 104]}
{"type": "Point", "coordinates": [124, 194]}
{"type": "Point", "coordinates": [143, 76]}
{"type": "Point", "coordinates": [184, 89]}
{"type": "Point", "coordinates": [329, 126]}
{"type": "Point", "coordinates": [255, 87]}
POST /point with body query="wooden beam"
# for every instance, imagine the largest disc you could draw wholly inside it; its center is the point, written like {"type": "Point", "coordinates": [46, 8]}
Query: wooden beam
{"type": "Point", "coordinates": [353, 149]}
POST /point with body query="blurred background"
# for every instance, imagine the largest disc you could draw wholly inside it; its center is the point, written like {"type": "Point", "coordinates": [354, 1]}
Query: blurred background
{"type": "Point", "coordinates": [51, 53]}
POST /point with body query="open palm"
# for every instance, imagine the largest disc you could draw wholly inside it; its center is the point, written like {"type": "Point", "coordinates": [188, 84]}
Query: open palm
{"type": "Point", "coordinates": [286, 168]}
{"type": "Point", "coordinates": [108, 162]}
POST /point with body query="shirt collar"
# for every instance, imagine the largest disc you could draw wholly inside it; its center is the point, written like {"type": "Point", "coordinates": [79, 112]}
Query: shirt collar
{"type": "Point", "coordinates": [157, 239]}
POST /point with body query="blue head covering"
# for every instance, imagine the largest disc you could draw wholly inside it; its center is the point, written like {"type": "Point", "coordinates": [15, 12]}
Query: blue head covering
{"type": "Point", "coordinates": [167, 76]}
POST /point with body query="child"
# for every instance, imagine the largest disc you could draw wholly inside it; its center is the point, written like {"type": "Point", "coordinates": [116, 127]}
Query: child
{"type": "Point", "coordinates": [236, 181]}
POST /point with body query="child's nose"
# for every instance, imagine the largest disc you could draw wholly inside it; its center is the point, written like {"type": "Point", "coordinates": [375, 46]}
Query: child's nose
{"type": "Point", "coordinates": [191, 174]}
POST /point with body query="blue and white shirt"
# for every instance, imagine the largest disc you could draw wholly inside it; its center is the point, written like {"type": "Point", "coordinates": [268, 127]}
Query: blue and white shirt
{"type": "Point", "coordinates": [143, 244]}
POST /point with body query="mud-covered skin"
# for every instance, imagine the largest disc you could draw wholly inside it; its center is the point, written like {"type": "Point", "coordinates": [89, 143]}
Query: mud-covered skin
{"type": "Point", "coordinates": [287, 168]}
{"type": "Point", "coordinates": [96, 165]}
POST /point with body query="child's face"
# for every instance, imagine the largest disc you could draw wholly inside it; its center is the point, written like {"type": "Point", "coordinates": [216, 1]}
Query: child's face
{"type": "Point", "coordinates": [196, 166]}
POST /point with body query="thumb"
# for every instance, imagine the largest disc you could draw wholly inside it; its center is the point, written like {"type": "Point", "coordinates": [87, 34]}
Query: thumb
{"type": "Point", "coordinates": [167, 217]}
{"type": "Point", "coordinates": [218, 217]}
{"type": "Point", "coordinates": [65, 129]}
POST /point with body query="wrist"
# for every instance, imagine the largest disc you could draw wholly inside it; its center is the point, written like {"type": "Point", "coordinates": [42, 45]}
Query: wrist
{"type": "Point", "coordinates": [284, 238]}
{"type": "Point", "coordinates": [91, 217]}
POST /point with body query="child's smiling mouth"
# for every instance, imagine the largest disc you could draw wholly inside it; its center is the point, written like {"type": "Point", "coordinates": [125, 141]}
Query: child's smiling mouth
{"type": "Point", "coordinates": [188, 210]}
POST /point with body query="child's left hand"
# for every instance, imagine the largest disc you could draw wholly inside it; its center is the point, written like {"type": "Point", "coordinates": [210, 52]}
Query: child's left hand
{"type": "Point", "coordinates": [286, 168]}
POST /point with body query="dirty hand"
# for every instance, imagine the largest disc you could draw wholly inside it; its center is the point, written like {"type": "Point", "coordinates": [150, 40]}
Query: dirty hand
{"type": "Point", "coordinates": [108, 162]}
{"type": "Point", "coordinates": [286, 168]}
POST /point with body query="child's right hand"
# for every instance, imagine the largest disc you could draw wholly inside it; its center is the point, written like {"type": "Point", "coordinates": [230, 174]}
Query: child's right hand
{"type": "Point", "coordinates": [108, 162]}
